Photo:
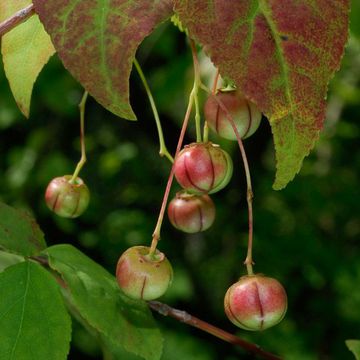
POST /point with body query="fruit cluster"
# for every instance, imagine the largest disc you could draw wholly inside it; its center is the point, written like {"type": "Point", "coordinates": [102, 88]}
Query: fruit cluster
{"type": "Point", "coordinates": [255, 302]}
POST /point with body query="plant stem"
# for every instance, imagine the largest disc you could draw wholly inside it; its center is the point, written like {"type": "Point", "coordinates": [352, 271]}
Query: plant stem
{"type": "Point", "coordinates": [249, 259]}
{"type": "Point", "coordinates": [206, 126]}
{"type": "Point", "coordinates": [156, 233]}
{"type": "Point", "coordinates": [188, 319]}
{"type": "Point", "coordinates": [216, 80]}
{"type": "Point", "coordinates": [16, 19]}
{"type": "Point", "coordinates": [197, 82]}
{"type": "Point", "coordinates": [192, 99]}
{"type": "Point", "coordinates": [82, 138]}
{"type": "Point", "coordinates": [163, 149]}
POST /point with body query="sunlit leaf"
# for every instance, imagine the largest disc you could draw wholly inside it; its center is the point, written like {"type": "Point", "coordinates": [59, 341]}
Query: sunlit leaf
{"type": "Point", "coordinates": [25, 50]}
{"type": "Point", "coordinates": [354, 347]}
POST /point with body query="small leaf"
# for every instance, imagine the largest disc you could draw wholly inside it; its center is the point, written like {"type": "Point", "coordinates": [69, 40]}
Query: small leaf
{"type": "Point", "coordinates": [33, 320]}
{"type": "Point", "coordinates": [19, 232]}
{"type": "Point", "coordinates": [25, 50]}
{"type": "Point", "coordinates": [97, 42]}
{"type": "Point", "coordinates": [8, 259]}
{"type": "Point", "coordinates": [97, 298]}
{"type": "Point", "coordinates": [354, 347]}
{"type": "Point", "coordinates": [281, 54]}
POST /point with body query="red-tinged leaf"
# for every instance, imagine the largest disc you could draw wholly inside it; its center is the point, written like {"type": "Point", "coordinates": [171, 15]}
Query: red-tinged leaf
{"type": "Point", "coordinates": [97, 41]}
{"type": "Point", "coordinates": [281, 54]}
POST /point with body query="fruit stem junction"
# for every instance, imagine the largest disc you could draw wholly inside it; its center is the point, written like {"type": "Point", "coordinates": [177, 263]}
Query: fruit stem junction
{"type": "Point", "coordinates": [82, 161]}
{"type": "Point", "coordinates": [163, 149]}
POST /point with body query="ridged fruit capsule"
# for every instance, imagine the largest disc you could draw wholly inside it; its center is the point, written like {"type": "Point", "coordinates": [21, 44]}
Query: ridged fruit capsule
{"type": "Point", "coordinates": [143, 276]}
{"type": "Point", "coordinates": [255, 302]}
{"type": "Point", "coordinates": [203, 168]}
{"type": "Point", "coordinates": [245, 114]}
{"type": "Point", "coordinates": [191, 213]}
{"type": "Point", "coordinates": [67, 199]}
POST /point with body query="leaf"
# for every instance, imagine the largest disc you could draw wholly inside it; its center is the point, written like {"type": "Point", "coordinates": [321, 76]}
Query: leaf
{"type": "Point", "coordinates": [33, 320]}
{"type": "Point", "coordinates": [25, 50]}
{"type": "Point", "coordinates": [354, 18]}
{"type": "Point", "coordinates": [19, 232]}
{"type": "Point", "coordinates": [281, 54]}
{"type": "Point", "coordinates": [99, 301]}
{"type": "Point", "coordinates": [354, 347]}
{"type": "Point", "coordinates": [8, 259]}
{"type": "Point", "coordinates": [97, 42]}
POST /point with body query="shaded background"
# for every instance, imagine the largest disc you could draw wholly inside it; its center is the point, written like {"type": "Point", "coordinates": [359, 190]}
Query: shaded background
{"type": "Point", "coordinates": [307, 236]}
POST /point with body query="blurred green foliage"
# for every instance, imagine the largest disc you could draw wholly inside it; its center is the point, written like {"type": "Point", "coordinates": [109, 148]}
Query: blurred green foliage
{"type": "Point", "coordinates": [307, 236]}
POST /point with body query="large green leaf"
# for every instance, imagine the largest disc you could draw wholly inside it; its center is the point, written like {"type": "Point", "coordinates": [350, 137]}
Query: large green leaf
{"type": "Point", "coordinates": [354, 18]}
{"type": "Point", "coordinates": [25, 50]}
{"type": "Point", "coordinates": [281, 54]}
{"type": "Point", "coordinates": [96, 297]}
{"type": "Point", "coordinates": [33, 320]}
{"type": "Point", "coordinates": [354, 347]}
{"type": "Point", "coordinates": [97, 41]}
{"type": "Point", "coordinates": [19, 232]}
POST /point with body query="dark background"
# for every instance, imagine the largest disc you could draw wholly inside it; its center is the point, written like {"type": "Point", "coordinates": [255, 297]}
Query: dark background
{"type": "Point", "coordinates": [307, 236]}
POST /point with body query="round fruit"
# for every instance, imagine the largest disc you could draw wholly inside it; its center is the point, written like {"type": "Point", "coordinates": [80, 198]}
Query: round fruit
{"type": "Point", "coordinates": [203, 167]}
{"type": "Point", "coordinates": [191, 213]}
{"type": "Point", "coordinates": [65, 198]}
{"type": "Point", "coordinates": [255, 302]}
{"type": "Point", "coordinates": [245, 114]}
{"type": "Point", "coordinates": [143, 276]}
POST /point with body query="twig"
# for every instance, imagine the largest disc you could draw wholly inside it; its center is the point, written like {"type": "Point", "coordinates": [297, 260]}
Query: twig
{"type": "Point", "coordinates": [16, 19]}
{"type": "Point", "coordinates": [188, 319]}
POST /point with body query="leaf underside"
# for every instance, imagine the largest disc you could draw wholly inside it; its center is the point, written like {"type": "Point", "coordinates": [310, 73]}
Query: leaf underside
{"type": "Point", "coordinates": [25, 51]}
{"type": "Point", "coordinates": [97, 42]}
{"type": "Point", "coordinates": [33, 320]}
{"type": "Point", "coordinates": [98, 300]}
{"type": "Point", "coordinates": [281, 54]}
{"type": "Point", "coordinates": [19, 232]}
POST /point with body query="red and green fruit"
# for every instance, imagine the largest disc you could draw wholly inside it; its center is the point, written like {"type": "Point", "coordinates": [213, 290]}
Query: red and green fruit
{"type": "Point", "coordinates": [255, 302]}
{"type": "Point", "coordinates": [142, 275]}
{"type": "Point", "coordinates": [191, 213]}
{"type": "Point", "coordinates": [245, 114]}
{"type": "Point", "coordinates": [66, 198]}
{"type": "Point", "coordinates": [203, 168]}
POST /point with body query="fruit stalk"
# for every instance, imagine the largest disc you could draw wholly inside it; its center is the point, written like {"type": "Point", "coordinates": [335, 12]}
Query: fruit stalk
{"type": "Point", "coordinates": [249, 197]}
{"type": "Point", "coordinates": [193, 94]}
{"type": "Point", "coordinates": [82, 161]}
{"type": "Point", "coordinates": [163, 149]}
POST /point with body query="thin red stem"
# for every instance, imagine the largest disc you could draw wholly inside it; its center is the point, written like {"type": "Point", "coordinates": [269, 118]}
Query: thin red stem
{"type": "Point", "coordinates": [216, 80]}
{"type": "Point", "coordinates": [156, 234]}
{"type": "Point", "coordinates": [188, 319]}
{"type": "Point", "coordinates": [249, 259]}
{"type": "Point", "coordinates": [16, 19]}
{"type": "Point", "coordinates": [192, 100]}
